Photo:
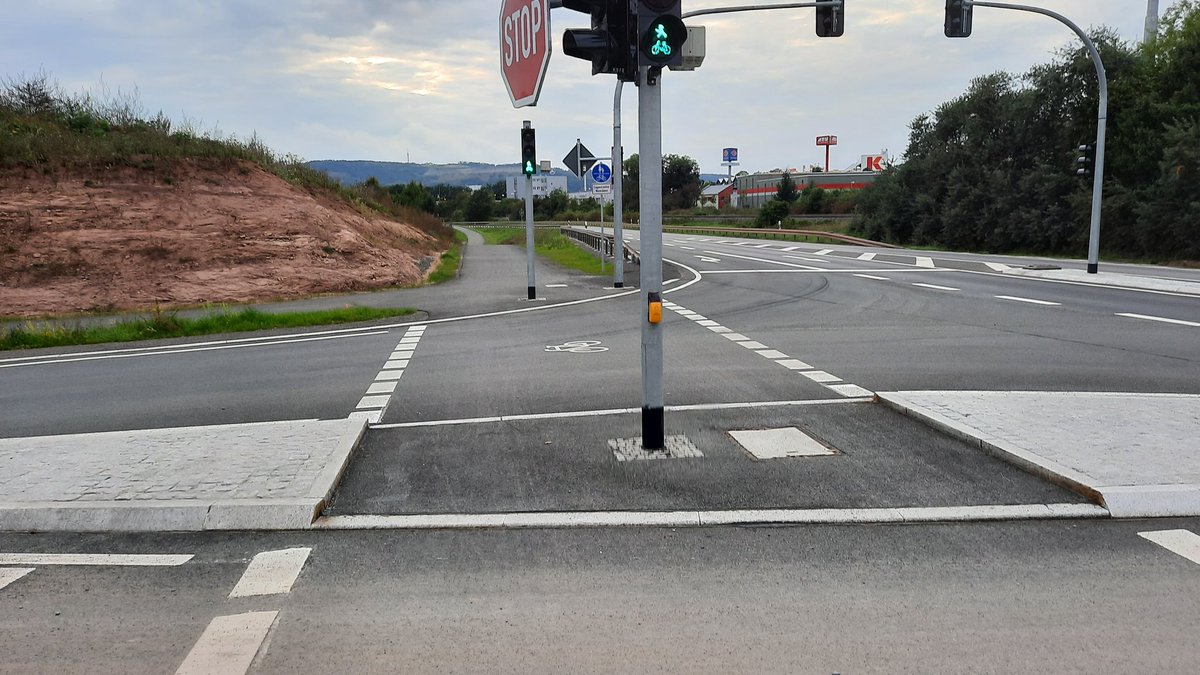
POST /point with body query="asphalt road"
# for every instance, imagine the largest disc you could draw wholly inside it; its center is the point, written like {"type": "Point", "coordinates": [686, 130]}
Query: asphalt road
{"type": "Point", "coordinates": [883, 324]}
{"type": "Point", "coordinates": [1061, 597]}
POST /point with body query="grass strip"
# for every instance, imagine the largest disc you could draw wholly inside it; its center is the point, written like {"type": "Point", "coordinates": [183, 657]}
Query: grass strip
{"type": "Point", "coordinates": [447, 268]}
{"type": "Point", "coordinates": [549, 244]}
{"type": "Point", "coordinates": [168, 325]}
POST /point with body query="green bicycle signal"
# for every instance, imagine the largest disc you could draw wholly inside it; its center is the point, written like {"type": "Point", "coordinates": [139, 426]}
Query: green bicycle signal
{"type": "Point", "coordinates": [663, 38]}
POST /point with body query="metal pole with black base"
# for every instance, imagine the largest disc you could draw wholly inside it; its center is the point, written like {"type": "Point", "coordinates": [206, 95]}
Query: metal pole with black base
{"type": "Point", "coordinates": [650, 153]}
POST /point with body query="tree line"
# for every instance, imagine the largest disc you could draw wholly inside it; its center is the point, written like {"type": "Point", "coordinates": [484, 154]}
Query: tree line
{"type": "Point", "coordinates": [995, 168]}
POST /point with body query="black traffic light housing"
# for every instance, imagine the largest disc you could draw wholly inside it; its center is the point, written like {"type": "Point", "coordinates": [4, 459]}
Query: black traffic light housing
{"type": "Point", "coordinates": [608, 44]}
{"type": "Point", "coordinates": [528, 151]}
{"type": "Point", "coordinates": [661, 33]}
{"type": "Point", "coordinates": [1085, 163]}
{"type": "Point", "coordinates": [831, 20]}
{"type": "Point", "coordinates": [958, 18]}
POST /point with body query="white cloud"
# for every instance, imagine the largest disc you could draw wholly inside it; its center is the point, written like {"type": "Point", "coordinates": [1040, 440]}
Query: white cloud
{"type": "Point", "coordinates": [385, 79]}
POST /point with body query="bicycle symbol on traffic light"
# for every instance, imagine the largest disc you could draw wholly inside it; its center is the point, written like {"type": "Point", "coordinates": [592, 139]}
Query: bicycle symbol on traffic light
{"type": "Point", "coordinates": [661, 46]}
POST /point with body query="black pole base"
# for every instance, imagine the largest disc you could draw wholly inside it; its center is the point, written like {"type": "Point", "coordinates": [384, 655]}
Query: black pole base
{"type": "Point", "coordinates": [619, 284]}
{"type": "Point", "coordinates": [1093, 268]}
{"type": "Point", "coordinates": [652, 429]}
{"type": "Point", "coordinates": [532, 293]}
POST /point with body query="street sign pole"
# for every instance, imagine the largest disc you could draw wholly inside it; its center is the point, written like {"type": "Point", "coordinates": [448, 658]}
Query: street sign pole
{"type": "Point", "coordinates": [650, 153]}
{"type": "Point", "coordinates": [529, 231]}
{"type": "Point", "coordinates": [618, 160]}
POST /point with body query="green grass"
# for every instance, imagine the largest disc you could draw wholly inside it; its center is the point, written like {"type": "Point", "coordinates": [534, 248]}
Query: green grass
{"type": "Point", "coordinates": [447, 268]}
{"type": "Point", "coordinates": [548, 244]}
{"type": "Point", "coordinates": [167, 325]}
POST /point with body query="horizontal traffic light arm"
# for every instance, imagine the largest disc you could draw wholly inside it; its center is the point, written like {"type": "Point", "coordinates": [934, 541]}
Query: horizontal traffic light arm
{"type": "Point", "coordinates": [755, 8]}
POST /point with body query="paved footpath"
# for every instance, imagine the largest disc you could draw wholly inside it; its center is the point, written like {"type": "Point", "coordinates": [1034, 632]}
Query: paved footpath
{"type": "Point", "coordinates": [1136, 453]}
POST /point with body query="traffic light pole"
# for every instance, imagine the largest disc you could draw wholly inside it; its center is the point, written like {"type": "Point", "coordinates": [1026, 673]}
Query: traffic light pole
{"type": "Point", "coordinates": [532, 285]}
{"type": "Point", "coordinates": [756, 8]}
{"type": "Point", "coordinates": [618, 160]}
{"type": "Point", "coordinates": [650, 154]}
{"type": "Point", "coordinates": [1093, 264]}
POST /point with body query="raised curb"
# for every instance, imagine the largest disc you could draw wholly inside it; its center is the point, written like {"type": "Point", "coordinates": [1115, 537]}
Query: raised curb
{"type": "Point", "coordinates": [1124, 501]}
{"type": "Point", "coordinates": [1111, 279]}
{"type": "Point", "coordinates": [189, 515]}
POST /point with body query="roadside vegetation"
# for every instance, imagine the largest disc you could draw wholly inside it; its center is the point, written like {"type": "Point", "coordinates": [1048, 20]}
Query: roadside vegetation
{"type": "Point", "coordinates": [451, 261]}
{"type": "Point", "coordinates": [548, 244]}
{"type": "Point", "coordinates": [995, 169]}
{"type": "Point", "coordinates": [160, 325]}
{"type": "Point", "coordinates": [46, 129]}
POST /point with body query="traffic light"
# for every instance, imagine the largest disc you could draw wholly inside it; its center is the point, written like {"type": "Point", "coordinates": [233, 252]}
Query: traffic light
{"type": "Point", "coordinates": [958, 18]}
{"type": "Point", "coordinates": [831, 20]}
{"type": "Point", "coordinates": [528, 152]}
{"type": "Point", "coordinates": [661, 33]}
{"type": "Point", "coordinates": [607, 44]}
{"type": "Point", "coordinates": [1085, 164]}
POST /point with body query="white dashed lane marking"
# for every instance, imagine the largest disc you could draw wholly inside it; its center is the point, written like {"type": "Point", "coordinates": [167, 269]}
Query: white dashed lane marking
{"type": "Point", "coordinates": [229, 644]}
{"type": "Point", "coordinates": [1178, 322]}
{"type": "Point", "coordinates": [271, 573]}
{"type": "Point", "coordinates": [379, 393]}
{"type": "Point", "coordinates": [923, 261]}
{"type": "Point", "coordinates": [936, 287]}
{"type": "Point", "coordinates": [1181, 542]}
{"type": "Point", "coordinates": [831, 382]}
{"type": "Point", "coordinates": [1030, 301]}
{"type": "Point", "coordinates": [869, 276]}
{"type": "Point", "coordinates": [867, 256]}
{"type": "Point", "coordinates": [11, 574]}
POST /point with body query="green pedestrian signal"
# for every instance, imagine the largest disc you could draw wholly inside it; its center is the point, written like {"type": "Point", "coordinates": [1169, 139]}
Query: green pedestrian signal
{"type": "Point", "coordinates": [663, 39]}
{"type": "Point", "coordinates": [528, 151]}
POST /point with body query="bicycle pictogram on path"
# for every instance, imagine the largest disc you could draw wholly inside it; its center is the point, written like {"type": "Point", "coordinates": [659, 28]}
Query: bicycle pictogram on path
{"type": "Point", "coordinates": [578, 347]}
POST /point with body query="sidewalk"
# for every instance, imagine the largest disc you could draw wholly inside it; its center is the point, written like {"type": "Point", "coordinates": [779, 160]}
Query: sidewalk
{"type": "Point", "coordinates": [271, 475]}
{"type": "Point", "coordinates": [1112, 279]}
{"type": "Point", "coordinates": [1138, 454]}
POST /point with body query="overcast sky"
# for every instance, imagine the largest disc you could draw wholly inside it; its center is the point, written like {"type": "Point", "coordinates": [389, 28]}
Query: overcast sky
{"type": "Point", "coordinates": [396, 80]}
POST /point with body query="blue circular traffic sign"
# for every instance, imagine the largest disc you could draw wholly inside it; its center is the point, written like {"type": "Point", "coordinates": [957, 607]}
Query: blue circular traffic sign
{"type": "Point", "coordinates": [601, 173]}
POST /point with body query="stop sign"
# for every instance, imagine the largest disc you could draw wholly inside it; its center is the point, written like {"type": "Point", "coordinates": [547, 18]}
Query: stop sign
{"type": "Point", "coordinates": [524, 48]}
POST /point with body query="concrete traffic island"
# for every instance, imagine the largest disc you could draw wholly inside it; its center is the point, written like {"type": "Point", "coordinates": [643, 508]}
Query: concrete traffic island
{"type": "Point", "coordinates": [1136, 454]}
{"type": "Point", "coordinates": [272, 475]}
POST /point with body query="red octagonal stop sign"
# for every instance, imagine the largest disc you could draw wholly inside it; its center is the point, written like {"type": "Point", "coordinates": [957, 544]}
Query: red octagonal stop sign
{"type": "Point", "coordinates": [524, 48]}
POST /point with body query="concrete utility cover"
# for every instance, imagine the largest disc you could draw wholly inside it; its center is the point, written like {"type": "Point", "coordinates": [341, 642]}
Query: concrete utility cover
{"type": "Point", "coordinates": [779, 443]}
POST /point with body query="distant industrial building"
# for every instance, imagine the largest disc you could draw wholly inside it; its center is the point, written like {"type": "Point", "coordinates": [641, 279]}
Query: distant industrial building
{"type": "Point", "coordinates": [542, 186]}
{"type": "Point", "coordinates": [755, 189]}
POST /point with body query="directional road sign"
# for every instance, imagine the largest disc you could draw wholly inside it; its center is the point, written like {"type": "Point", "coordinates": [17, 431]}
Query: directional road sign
{"type": "Point", "coordinates": [579, 159]}
{"type": "Point", "coordinates": [524, 48]}
{"type": "Point", "coordinates": [601, 173]}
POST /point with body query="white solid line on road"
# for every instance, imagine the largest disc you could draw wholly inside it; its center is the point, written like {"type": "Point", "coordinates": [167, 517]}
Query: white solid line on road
{"type": "Point", "coordinates": [373, 402]}
{"type": "Point", "coordinates": [271, 573]}
{"type": "Point", "coordinates": [998, 267]}
{"type": "Point", "coordinates": [11, 574]}
{"type": "Point", "coordinates": [617, 411]}
{"type": "Point", "coordinates": [556, 286]}
{"type": "Point", "coordinates": [867, 256]}
{"type": "Point", "coordinates": [1160, 319]}
{"type": "Point", "coordinates": [794, 364]}
{"type": "Point", "coordinates": [95, 559]}
{"type": "Point", "coordinates": [387, 375]}
{"type": "Point", "coordinates": [869, 276]}
{"type": "Point", "coordinates": [936, 287]}
{"type": "Point", "coordinates": [924, 261]}
{"type": "Point", "coordinates": [167, 351]}
{"type": "Point", "coordinates": [382, 387]}
{"type": "Point", "coordinates": [937, 514]}
{"type": "Point", "coordinates": [825, 251]}
{"type": "Point", "coordinates": [229, 644]}
{"type": "Point", "coordinates": [1029, 300]}
{"type": "Point", "coordinates": [687, 248]}
{"type": "Point", "coordinates": [772, 262]}
{"type": "Point", "coordinates": [1180, 542]}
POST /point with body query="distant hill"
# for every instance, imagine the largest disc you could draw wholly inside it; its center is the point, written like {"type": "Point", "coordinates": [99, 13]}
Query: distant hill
{"type": "Point", "coordinates": [349, 172]}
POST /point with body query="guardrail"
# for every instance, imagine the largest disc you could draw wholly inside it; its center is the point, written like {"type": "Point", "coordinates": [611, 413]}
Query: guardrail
{"type": "Point", "coordinates": [601, 242]}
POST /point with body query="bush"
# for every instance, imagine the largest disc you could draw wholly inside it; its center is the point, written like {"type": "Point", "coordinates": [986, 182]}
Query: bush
{"type": "Point", "coordinates": [772, 213]}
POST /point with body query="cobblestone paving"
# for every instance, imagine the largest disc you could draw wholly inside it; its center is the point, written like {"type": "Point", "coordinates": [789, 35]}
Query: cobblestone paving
{"type": "Point", "coordinates": [276, 460]}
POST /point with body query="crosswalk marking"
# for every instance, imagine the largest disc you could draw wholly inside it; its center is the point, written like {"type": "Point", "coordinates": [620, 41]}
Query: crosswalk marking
{"type": "Point", "coordinates": [11, 574]}
{"type": "Point", "coordinates": [229, 644]}
{"type": "Point", "coordinates": [1180, 542]}
{"type": "Point", "coordinates": [271, 573]}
